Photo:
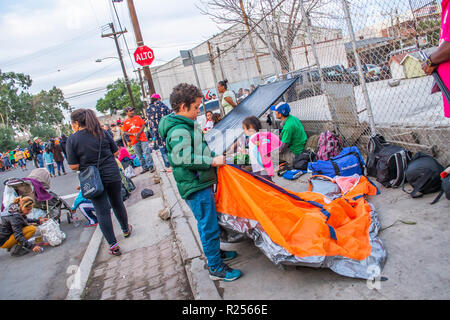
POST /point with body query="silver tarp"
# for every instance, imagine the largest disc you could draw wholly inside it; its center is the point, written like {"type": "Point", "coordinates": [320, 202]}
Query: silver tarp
{"type": "Point", "coordinates": [235, 229]}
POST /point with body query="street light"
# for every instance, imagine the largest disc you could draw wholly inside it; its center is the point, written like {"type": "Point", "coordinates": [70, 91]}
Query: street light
{"type": "Point", "coordinates": [100, 60]}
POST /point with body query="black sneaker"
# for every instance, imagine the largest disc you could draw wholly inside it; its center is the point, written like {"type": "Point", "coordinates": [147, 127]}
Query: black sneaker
{"type": "Point", "coordinates": [152, 170]}
{"type": "Point", "coordinates": [19, 251]}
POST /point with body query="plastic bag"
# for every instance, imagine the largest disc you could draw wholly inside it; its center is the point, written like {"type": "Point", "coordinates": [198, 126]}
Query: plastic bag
{"type": "Point", "coordinates": [9, 194]}
{"type": "Point", "coordinates": [129, 172]}
{"type": "Point", "coordinates": [51, 231]}
{"type": "Point", "coordinates": [36, 213]}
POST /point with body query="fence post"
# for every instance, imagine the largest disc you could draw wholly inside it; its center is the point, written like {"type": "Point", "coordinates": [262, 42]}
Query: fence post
{"type": "Point", "coordinates": [213, 68]}
{"type": "Point", "coordinates": [360, 71]}
{"type": "Point", "coordinates": [220, 63]}
{"type": "Point", "coordinates": [316, 59]}
{"type": "Point", "coordinates": [237, 64]}
{"type": "Point", "coordinates": [245, 64]}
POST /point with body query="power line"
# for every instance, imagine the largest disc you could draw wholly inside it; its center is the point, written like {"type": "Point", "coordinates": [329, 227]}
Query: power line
{"type": "Point", "coordinates": [85, 94]}
{"type": "Point", "coordinates": [124, 37]}
{"type": "Point", "coordinates": [46, 51]}
{"type": "Point", "coordinates": [91, 74]}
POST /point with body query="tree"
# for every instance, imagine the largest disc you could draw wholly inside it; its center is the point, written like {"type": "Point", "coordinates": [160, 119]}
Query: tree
{"type": "Point", "coordinates": [283, 21]}
{"type": "Point", "coordinates": [47, 107]}
{"type": "Point", "coordinates": [13, 88]}
{"type": "Point", "coordinates": [21, 110]}
{"type": "Point", "coordinates": [44, 132]}
{"type": "Point", "coordinates": [6, 139]}
{"type": "Point", "coordinates": [117, 99]}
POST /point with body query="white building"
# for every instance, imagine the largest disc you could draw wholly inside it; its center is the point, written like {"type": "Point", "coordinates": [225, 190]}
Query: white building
{"type": "Point", "coordinates": [237, 63]}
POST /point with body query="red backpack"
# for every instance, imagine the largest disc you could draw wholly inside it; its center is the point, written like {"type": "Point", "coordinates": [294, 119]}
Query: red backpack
{"type": "Point", "coordinates": [329, 145]}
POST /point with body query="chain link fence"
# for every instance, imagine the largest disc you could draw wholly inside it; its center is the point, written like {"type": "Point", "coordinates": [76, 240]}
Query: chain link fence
{"type": "Point", "coordinates": [358, 66]}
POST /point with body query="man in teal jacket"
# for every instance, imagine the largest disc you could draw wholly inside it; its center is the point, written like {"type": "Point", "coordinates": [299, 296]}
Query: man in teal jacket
{"type": "Point", "coordinates": [194, 169]}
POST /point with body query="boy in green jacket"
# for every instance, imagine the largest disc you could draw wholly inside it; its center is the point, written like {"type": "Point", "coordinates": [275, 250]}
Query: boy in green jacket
{"type": "Point", "coordinates": [194, 169]}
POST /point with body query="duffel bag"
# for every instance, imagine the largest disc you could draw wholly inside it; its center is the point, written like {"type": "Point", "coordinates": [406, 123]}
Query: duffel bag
{"type": "Point", "coordinates": [347, 163]}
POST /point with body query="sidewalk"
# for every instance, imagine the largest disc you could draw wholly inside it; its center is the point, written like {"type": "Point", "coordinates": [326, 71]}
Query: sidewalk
{"type": "Point", "coordinates": [150, 266]}
{"type": "Point", "coordinates": [418, 264]}
{"type": "Point", "coordinates": [164, 259]}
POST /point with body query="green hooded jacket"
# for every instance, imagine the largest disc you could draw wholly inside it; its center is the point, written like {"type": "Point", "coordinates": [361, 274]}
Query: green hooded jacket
{"type": "Point", "coordinates": [188, 153]}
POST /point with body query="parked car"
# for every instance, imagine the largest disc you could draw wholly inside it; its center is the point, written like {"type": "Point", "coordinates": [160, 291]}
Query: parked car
{"type": "Point", "coordinates": [340, 74]}
{"type": "Point", "coordinates": [372, 72]}
{"type": "Point", "coordinates": [211, 105]}
{"type": "Point", "coordinates": [270, 79]}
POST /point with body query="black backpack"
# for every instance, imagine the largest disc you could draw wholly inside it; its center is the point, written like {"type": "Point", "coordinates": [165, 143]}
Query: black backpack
{"type": "Point", "coordinates": [445, 189]}
{"type": "Point", "coordinates": [386, 162]}
{"type": "Point", "coordinates": [423, 174]}
{"type": "Point", "coordinates": [301, 161]}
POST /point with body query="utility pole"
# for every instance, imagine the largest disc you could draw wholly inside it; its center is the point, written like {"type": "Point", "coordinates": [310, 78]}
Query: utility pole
{"type": "Point", "coordinates": [142, 83]}
{"type": "Point", "coordinates": [114, 35]}
{"type": "Point", "coordinates": [144, 96]}
{"type": "Point", "coordinates": [140, 42]}
{"type": "Point", "coordinates": [251, 40]}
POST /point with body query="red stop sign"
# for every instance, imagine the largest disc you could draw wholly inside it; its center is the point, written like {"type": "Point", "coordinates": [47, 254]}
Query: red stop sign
{"type": "Point", "coordinates": [144, 56]}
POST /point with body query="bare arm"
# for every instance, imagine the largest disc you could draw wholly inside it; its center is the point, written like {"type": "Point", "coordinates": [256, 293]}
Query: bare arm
{"type": "Point", "coordinates": [74, 167]}
{"type": "Point", "coordinates": [442, 54]}
{"type": "Point", "coordinates": [230, 101]}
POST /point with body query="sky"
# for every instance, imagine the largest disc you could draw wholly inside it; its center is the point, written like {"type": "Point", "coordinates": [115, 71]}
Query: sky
{"type": "Point", "coordinates": [56, 42]}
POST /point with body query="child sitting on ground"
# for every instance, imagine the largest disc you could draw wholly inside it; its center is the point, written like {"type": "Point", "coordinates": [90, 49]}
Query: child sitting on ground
{"type": "Point", "coordinates": [260, 146]}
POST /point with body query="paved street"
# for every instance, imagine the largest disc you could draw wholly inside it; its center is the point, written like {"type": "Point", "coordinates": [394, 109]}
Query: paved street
{"type": "Point", "coordinates": [44, 275]}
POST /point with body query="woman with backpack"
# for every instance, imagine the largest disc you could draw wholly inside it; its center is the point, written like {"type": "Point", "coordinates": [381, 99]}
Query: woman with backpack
{"type": "Point", "coordinates": [91, 146]}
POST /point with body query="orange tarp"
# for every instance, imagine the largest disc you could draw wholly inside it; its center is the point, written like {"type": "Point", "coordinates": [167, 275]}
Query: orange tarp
{"type": "Point", "coordinates": [303, 228]}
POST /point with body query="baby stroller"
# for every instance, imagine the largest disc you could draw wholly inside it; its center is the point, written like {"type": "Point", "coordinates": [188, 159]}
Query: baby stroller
{"type": "Point", "coordinates": [37, 186]}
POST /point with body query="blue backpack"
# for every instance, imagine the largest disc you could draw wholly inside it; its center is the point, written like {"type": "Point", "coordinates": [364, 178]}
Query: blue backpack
{"type": "Point", "coordinates": [347, 163]}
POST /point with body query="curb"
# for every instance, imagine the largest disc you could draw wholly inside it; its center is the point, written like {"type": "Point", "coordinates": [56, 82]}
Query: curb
{"type": "Point", "coordinates": [184, 226]}
{"type": "Point", "coordinates": [83, 272]}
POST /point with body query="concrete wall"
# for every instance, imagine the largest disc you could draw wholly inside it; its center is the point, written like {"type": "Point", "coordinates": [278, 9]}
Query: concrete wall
{"type": "Point", "coordinates": [397, 70]}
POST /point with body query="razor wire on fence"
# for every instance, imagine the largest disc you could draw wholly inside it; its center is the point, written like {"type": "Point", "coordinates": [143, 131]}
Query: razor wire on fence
{"type": "Point", "coordinates": [357, 63]}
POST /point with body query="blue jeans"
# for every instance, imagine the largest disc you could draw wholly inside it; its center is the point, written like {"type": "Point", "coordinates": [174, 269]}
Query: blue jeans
{"type": "Point", "coordinates": [165, 156]}
{"type": "Point", "coordinates": [204, 208]}
{"type": "Point", "coordinates": [142, 148]}
{"type": "Point", "coordinates": [60, 165]}
{"type": "Point", "coordinates": [51, 169]}
{"type": "Point", "coordinates": [40, 160]}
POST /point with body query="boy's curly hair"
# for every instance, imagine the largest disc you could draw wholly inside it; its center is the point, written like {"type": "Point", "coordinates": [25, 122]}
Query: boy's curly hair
{"type": "Point", "coordinates": [184, 93]}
